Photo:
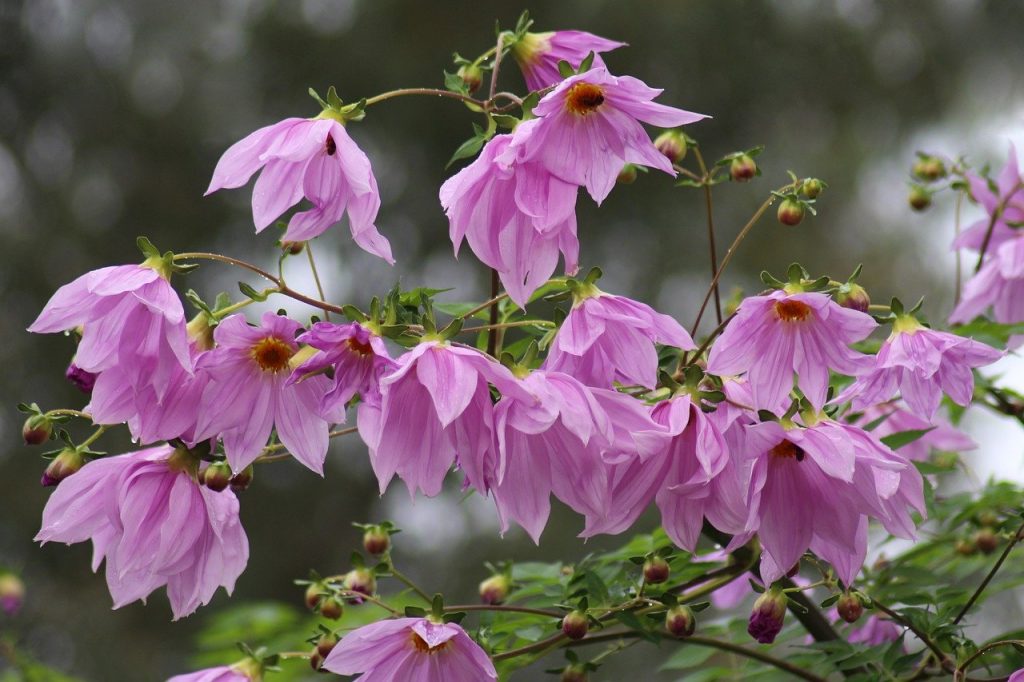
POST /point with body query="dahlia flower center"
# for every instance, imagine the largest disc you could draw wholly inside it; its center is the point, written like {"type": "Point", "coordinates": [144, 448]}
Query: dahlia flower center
{"type": "Point", "coordinates": [584, 98]}
{"type": "Point", "coordinates": [788, 450]}
{"type": "Point", "coordinates": [422, 646]}
{"type": "Point", "coordinates": [330, 146]}
{"type": "Point", "coordinates": [272, 354]}
{"type": "Point", "coordinates": [792, 310]}
{"type": "Point", "coordinates": [359, 347]}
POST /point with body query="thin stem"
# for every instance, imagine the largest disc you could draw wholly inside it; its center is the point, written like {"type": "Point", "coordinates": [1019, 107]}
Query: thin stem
{"type": "Point", "coordinates": [991, 574]}
{"type": "Point", "coordinates": [294, 654]}
{"type": "Point", "coordinates": [483, 306]}
{"type": "Point", "coordinates": [93, 438]}
{"type": "Point", "coordinates": [540, 645]}
{"type": "Point", "coordinates": [703, 347]}
{"type": "Point", "coordinates": [959, 259]}
{"type": "Point", "coordinates": [401, 577]}
{"type": "Point", "coordinates": [366, 597]}
{"type": "Point", "coordinates": [996, 214]}
{"type": "Point", "coordinates": [498, 56]}
{"type": "Point", "coordinates": [508, 325]}
{"type": "Point", "coordinates": [940, 656]}
{"type": "Point", "coordinates": [961, 670]}
{"type": "Point", "coordinates": [405, 92]}
{"type": "Point", "coordinates": [267, 455]}
{"type": "Point", "coordinates": [316, 276]}
{"type": "Point", "coordinates": [70, 413]}
{"type": "Point", "coordinates": [705, 182]}
{"type": "Point", "coordinates": [503, 607]}
{"type": "Point", "coordinates": [492, 334]}
{"type": "Point", "coordinates": [224, 312]}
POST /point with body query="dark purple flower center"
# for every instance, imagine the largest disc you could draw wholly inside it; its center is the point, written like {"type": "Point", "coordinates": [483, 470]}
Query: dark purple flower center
{"type": "Point", "coordinates": [584, 98]}
{"type": "Point", "coordinates": [788, 450]}
{"type": "Point", "coordinates": [791, 310]}
{"type": "Point", "coordinates": [272, 354]}
{"type": "Point", "coordinates": [422, 646]}
{"type": "Point", "coordinates": [331, 146]}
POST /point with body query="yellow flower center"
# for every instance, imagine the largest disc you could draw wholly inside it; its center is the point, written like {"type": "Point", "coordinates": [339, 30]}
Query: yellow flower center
{"type": "Point", "coordinates": [791, 310]}
{"type": "Point", "coordinates": [583, 98]}
{"type": "Point", "coordinates": [272, 354]}
{"type": "Point", "coordinates": [788, 450]}
{"type": "Point", "coordinates": [422, 646]}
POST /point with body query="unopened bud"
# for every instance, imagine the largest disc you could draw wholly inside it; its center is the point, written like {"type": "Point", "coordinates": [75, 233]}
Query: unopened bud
{"type": "Point", "coordinates": [791, 212]}
{"type": "Point", "coordinates": [67, 462]}
{"type": "Point", "coordinates": [966, 547]}
{"type": "Point", "coordinates": [575, 625]}
{"type": "Point", "coordinates": [217, 476]}
{"type": "Point", "coordinates": [929, 169]}
{"type": "Point", "coordinates": [376, 540]}
{"type": "Point", "coordinates": [989, 519]}
{"type": "Point", "coordinates": [37, 430]}
{"type": "Point", "coordinates": [679, 621]}
{"type": "Point", "coordinates": [316, 660]}
{"type": "Point", "coordinates": [986, 540]}
{"type": "Point", "coordinates": [919, 198]}
{"type": "Point", "coordinates": [314, 593]}
{"type": "Point", "coordinates": [672, 144]}
{"type": "Point", "coordinates": [626, 176]}
{"type": "Point", "coordinates": [812, 188]}
{"type": "Point", "coordinates": [12, 593]}
{"type": "Point", "coordinates": [768, 616]}
{"type": "Point", "coordinates": [79, 378]}
{"type": "Point", "coordinates": [359, 580]}
{"type": "Point", "coordinates": [742, 168]}
{"type": "Point", "coordinates": [849, 607]}
{"type": "Point", "coordinates": [495, 589]}
{"type": "Point", "coordinates": [853, 296]}
{"type": "Point", "coordinates": [200, 331]}
{"type": "Point", "coordinates": [325, 644]}
{"type": "Point", "coordinates": [472, 76]}
{"type": "Point", "coordinates": [656, 570]}
{"type": "Point", "coordinates": [242, 480]}
{"type": "Point", "coordinates": [330, 608]}
{"type": "Point", "coordinates": [574, 673]}
{"type": "Point", "coordinates": [293, 248]}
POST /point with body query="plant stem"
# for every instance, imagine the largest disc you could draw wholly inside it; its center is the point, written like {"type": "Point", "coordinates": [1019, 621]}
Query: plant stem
{"type": "Point", "coordinates": [940, 656]}
{"type": "Point", "coordinates": [404, 92]}
{"type": "Point", "coordinates": [267, 457]}
{"type": "Point", "coordinates": [498, 56]}
{"type": "Point", "coordinates": [705, 182]}
{"type": "Point", "coordinates": [492, 334]}
{"type": "Point", "coordinates": [508, 325]}
{"type": "Point", "coordinates": [401, 577]}
{"type": "Point", "coordinates": [996, 214]}
{"type": "Point", "coordinates": [991, 574]}
{"type": "Point", "coordinates": [959, 259]}
{"type": "Point", "coordinates": [316, 276]}
{"type": "Point", "coordinates": [93, 438]}
{"type": "Point", "coordinates": [961, 670]}
{"type": "Point", "coordinates": [486, 304]}
{"type": "Point", "coordinates": [71, 413]}
{"type": "Point", "coordinates": [504, 607]}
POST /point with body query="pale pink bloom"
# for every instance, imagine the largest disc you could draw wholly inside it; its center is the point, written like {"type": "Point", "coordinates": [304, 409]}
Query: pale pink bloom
{"type": "Point", "coordinates": [923, 364]}
{"type": "Point", "coordinates": [153, 524]}
{"type": "Point", "coordinates": [516, 216]}
{"type": "Point", "coordinates": [410, 650]}
{"type": "Point", "coordinates": [538, 54]}
{"type": "Point", "coordinates": [222, 673]}
{"type": "Point", "coordinates": [775, 335]}
{"type": "Point", "coordinates": [1017, 676]}
{"type": "Point", "coordinates": [311, 158]}
{"type": "Point", "coordinates": [999, 284]}
{"type": "Point", "coordinates": [607, 338]}
{"type": "Point", "coordinates": [589, 127]}
{"type": "Point", "coordinates": [247, 394]}
{"type": "Point", "coordinates": [877, 630]}
{"type": "Point", "coordinates": [941, 435]}
{"type": "Point", "coordinates": [1006, 203]}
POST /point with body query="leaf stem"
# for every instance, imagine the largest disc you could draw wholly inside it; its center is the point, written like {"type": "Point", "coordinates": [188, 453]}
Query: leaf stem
{"type": "Point", "coordinates": [705, 182]}
{"type": "Point", "coordinates": [1017, 537]}
{"type": "Point", "coordinates": [316, 276]}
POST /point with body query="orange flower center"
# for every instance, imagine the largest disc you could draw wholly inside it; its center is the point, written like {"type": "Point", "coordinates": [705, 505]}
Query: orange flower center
{"type": "Point", "coordinates": [792, 310]}
{"type": "Point", "coordinates": [788, 450]}
{"type": "Point", "coordinates": [272, 354]}
{"type": "Point", "coordinates": [584, 98]}
{"type": "Point", "coordinates": [422, 646]}
{"type": "Point", "coordinates": [357, 346]}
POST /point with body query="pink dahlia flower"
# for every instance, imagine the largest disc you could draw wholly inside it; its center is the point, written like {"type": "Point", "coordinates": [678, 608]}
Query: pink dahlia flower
{"type": "Point", "coordinates": [248, 394]}
{"type": "Point", "coordinates": [223, 673]}
{"type": "Point", "coordinates": [411, 650]}
{"type": "Point", "coordinates": [435, 410]}
{"type": "Point", "coordinates": [131, 319]}
{"type": "Point", "coordinates": [1006, 203]}
{"type": "Point", "coordinates": [588, 128]}
{"type": "Point", "coordinates": [923, 364]}
{"type": "Point", "coordinates": [941, 435]}
{"type": "Point", "coordinates": [153, 524]}
{"type": "Point", "coordinates": [779, 333]}
{"type": "Point", "coordinates": [516, 216]}
{"type": "Point", "coordinates": [607, 338]}
{"type": "Point", "coordinates": [538, 54]}
{"type": "Point", "coordinates": [358, 357]}
{"type": "Point", "coordinates": [813, 488]}
{"type": "Point", "coordinates": [999, 284]}
{"type": "Point", "coordinates": [875, 631]}
{"type": "Point", "coordinates": [311, 158]}
{"type": "Point", "coordinates": [1017, 676]}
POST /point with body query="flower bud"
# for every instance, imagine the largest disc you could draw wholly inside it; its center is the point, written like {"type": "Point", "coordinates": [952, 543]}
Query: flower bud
{"type": "Point", "coordinates": [574, 673]}
{"type": "Point", "coordinates": [241, 480]}
{"type": "Point", "coordinates": [12, 593]}
{"type": "Point", "coordinates": [67, 462]}
{"type": "Point", "coordinates": [325, 644]}
{"type": "Point", "coordinates": [293, 248]}
{"type": "Point", "coordinates": [929, 169]}
{"type": "Point", "coordinates": [575, 625]}
{"type": "Point", "coordinates": [768, 616]}
{"type": "Point", "coordinates": [200, 331]}
{"type": "Point", "coordinates": [330, 608]}
{"type": "Point", "coordinates": [791, 212]}
{"type": "Point", "coordinates": [966, 547]}
{"type": "Point", "coordinates": [679, 621]}
{"type": "Point", "coordinates": [986, 540]}
{"type": "Point", "coordinates": [316, 660]}
{"type": "Point", "coordinates": [359, 580]}
{"type": "Point", "coordinates": [472, 76]}
{"type": "Point", "coordinates": [919, 198]}
{"type": "Point", "coordinates": [37, 430]}
{"type": "Point", "coordinates": [495, 589]}
{"type": "Point", "coordinates": [742, 168]}
{"type": "Point", "coordinates": [627, 176]}
{"type": "Point", "coordinates": [376, 540]}
{"type": "Point", "coordinates": [314, 593]}
{"type": "Point", "coordinates": [79, 378]}
{"type": "Point", "coordinates": [812, 188]}
{"type": "Point", "coordinates": [656, 570]}
{"type": "Point", "coordinates": [849, 607]}
{"type": "Point", "coordinates": [216, 477]}
{"type": "Point", "coordinates": [672, 143]}
{"type": "Point", "coordinates": [989, 519]}
{"type": "Point", "coordinates": [854, 296]}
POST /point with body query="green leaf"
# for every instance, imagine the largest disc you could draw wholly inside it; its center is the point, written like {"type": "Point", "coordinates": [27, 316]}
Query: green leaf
{"type": "Point", "coordinates": [688, 657]}
{"type": "Point", "coordinates": [900, 438]}
{"type": "Point", "coordinates": [248, 291]}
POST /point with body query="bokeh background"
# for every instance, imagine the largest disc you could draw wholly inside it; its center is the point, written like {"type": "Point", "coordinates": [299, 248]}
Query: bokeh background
{"type": "Point", "coordinates": [113, 114]}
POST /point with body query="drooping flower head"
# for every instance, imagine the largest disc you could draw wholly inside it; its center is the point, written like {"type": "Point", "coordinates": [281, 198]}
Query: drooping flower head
{"type": "Point", "coordinates": [538, 54]}
{"type": "Point", "coordinates": [607, 338]}
{"type": "Point", "coordinates": [999, 284]}
{"type": "Point", "coordinates": [768, 616]}
{"type": "Point", "coordinates": [357, 356]}
{"type": "Point", "coordinates": [153, 524]}
{"type": "Point", "coordinates": [435, 410]}
{"type": "Point", "coordinates": [248, 394]}
{"type": "Point", "coordinates": [412, 649]}
{"type": "Point", "coordinates": [1004, 204]}
{"type": "Point", "coordinates": [923, 364]}
{"type": "Point", "coordinates": [516, 216]}
{"type": "Point", "coordinates": [894, 418]}
{"type": "Point", "coordinates": [777, 334]}
{"type": "Point", "coordinates": [311, 158]}
{"type": "Point", "coordinates": [588, 128]}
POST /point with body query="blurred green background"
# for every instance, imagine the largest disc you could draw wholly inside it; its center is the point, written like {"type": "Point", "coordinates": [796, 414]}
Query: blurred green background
{"type": "Point", "coordinates": [113, 114]}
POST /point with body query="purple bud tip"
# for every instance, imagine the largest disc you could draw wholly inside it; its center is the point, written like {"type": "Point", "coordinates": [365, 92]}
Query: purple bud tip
{"type": "Point", "coordinates": [80, 378]}
{"type": "Point", "coordinates": [48, 481]}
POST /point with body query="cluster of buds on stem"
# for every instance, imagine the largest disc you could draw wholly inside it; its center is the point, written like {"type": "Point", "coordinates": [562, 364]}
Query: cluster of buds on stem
{"type": "Point", "coordinates": [768, 615]}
